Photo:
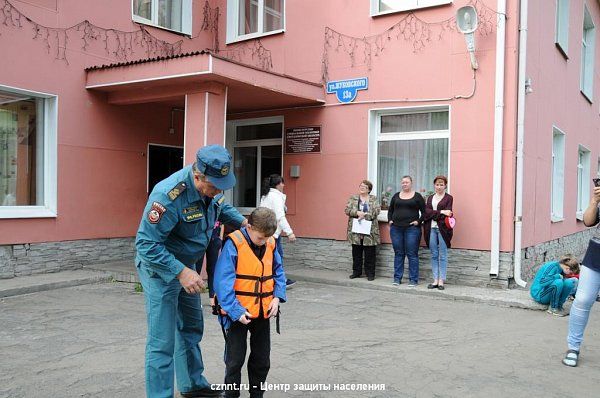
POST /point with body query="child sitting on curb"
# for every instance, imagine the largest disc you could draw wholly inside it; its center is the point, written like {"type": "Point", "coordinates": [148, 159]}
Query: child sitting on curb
{"type": "Point", "coordinates": [553, 284]}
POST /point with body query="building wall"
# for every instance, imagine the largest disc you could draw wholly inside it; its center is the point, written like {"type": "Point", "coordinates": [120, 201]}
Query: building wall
{"type": "Point", "coordinates": [556, 100]}
{"type": "Point", "coordinates": [440, 69]}
{"type": "Point", "coordinates": [101, 148]}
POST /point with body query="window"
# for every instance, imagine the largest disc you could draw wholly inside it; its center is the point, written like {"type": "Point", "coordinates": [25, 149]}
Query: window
{"type": "Point", "coordinates": [583, 180]}
{"type": "Point", "coordinates": [408, 142]}
{"type": "Point", "coordinates": [587, 55]}
{"type": "Point", "coordinates": [175, 15]}
{"type": "Point", "coordinates": [379, 7]}
{"type": "Point", "coordinates": [562, 26]}
{"type": "Point", "coordinates": [27, 154]}
{"type": "Point", "coordinates": [248, 19]}
{"type": "Point", "coordinates": [256, 145]}
{"type": "Point", "coordinates": [558, 174]}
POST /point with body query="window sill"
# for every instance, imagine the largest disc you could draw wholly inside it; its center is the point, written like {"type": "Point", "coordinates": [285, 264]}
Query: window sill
{"type": "Point", "coordinates": [251, 36]}
{"type": "Point", "coordinates": [409, 8]}
{"type": "Point", "coordinates": [26, 212]}
{"type": "Point", "coordinates": [562, 51]}
{"type": "Point", "coordinates": [555, 219]}
{"type": "Point", "coordinates": [586, 96]}
{"type": "Point", "coordinates": [579, 215]}
{"type": "Point", "coordinates": [149, 23]}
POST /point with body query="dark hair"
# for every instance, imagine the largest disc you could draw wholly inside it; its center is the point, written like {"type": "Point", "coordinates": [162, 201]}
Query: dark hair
{"type": "Point", "coordinates": [368, 183]}
{"type": "Point", "coordinates": [263, 220]}
{"type": "Point", "coordinates": [440, 177]}
{"type": "Point", "coordinates": [270, 182]}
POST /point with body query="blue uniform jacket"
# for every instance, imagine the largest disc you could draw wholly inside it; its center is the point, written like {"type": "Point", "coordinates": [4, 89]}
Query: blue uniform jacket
{"type": "Point", "coordinates": [225, 278]}
{"type": "Point", "coordinates": [177, 225]}
{"type": "Point", "coordinates": [548, 273]}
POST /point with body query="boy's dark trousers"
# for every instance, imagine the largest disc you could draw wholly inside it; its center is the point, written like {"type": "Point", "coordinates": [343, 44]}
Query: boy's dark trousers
{"type": "Point", "coordinates": [260, 351]}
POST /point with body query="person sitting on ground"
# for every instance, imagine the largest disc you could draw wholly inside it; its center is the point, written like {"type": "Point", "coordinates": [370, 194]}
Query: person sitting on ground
{"type": "Point", "coordinates": [249, 285]}
{"type": "Point", "coordinates": [552, 283]}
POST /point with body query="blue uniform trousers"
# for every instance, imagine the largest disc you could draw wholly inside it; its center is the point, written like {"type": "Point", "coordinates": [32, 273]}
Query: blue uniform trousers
{"type": "Point", "coordinates": [175, 327]}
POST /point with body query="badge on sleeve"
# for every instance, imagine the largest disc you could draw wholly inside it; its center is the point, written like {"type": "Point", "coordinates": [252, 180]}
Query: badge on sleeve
{"type": "Point", "coordinates": [156, 212]}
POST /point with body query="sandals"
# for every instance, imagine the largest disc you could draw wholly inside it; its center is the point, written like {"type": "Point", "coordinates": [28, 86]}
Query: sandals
{"type": "Point", "coordinates": [432, 286]}
{"type": "Point", "coordinates": [571, 358]}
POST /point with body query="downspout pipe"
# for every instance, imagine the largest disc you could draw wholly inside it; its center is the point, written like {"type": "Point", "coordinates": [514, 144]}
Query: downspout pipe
{"type": "Point", "coordinates": [520, 139]}
{"type": "Point", "coordinates": [498, 133]}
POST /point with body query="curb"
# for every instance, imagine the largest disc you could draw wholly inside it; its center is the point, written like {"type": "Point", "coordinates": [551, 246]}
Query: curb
{"type": "Point", "coordinates": [446, 294]}
{"type": "Point", "coordinates": [41, 287]}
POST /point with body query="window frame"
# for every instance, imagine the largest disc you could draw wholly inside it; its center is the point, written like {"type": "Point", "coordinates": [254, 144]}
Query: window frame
{"type": "Point", "coordinates": [186, 18]}
{"type": "Point", "coordinates": [413, 5]}
{"type": "Point", "coordinates": [232, 143]}
{"type": "Point", "coordinates": [557, 180]}
{"type": "Point", "coordinates": [375, 136]}
{"type": "Point", "coordinates": [583, 180]}
{"type": "Point", "coordinates": [49, 161]}
{"type": "Point", "coordinates": [588, 42]}
{"type": "Point", "coordinates": [233, 15]}
{"type": "Point", "coordinates": [561, 31]}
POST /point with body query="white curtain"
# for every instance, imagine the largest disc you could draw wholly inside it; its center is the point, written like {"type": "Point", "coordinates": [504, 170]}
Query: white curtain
{"type": "Point", "coordinates": [248, 17]}
{"type": "Point", "coordinates": [423, 160]}
{"type": "Point", "coordinates": [8, 157]}
{"type": "Point", "coordinates": [170, 14]}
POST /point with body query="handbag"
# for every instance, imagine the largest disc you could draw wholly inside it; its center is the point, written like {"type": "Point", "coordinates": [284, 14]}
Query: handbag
{"type": "Point", "coordinates": [450, 222]}
{"type": "Point", "coordinates": [592, 254]}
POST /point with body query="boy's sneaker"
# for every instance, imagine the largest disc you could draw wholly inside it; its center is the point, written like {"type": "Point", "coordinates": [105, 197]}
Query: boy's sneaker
{"type": "Point", "coordinates": [289, 283]}
{"type": "Point", "coordinates": [558, 311]}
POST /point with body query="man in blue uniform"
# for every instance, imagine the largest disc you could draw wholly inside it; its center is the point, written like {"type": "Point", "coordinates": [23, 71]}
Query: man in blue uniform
{"type": "Point", "coordinates": [174, 232]}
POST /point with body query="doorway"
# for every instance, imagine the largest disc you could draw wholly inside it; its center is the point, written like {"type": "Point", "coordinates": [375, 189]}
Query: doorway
{"type": "Point", "coordinates": [163, 160]}
{"type": "Point", "coordinates": [256, 147]}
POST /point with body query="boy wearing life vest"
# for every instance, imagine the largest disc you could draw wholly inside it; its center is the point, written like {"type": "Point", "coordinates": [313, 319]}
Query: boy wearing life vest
{"type": "Point", "coordinates": [249, 285]}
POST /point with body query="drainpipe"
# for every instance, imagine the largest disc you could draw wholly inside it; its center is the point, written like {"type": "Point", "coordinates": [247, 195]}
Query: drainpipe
{"type": "Point", "coordinates": [520, 137]}
{"type": "Point", "coordinates": [498, 131]}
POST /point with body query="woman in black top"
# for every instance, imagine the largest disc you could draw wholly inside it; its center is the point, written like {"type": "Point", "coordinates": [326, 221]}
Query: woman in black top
{"type": "Point", "coordinates": [405, 216]}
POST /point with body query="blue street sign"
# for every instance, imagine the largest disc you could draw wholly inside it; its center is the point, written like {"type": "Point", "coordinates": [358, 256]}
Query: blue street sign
{"type": "Point", "coordinates": [345, 90]}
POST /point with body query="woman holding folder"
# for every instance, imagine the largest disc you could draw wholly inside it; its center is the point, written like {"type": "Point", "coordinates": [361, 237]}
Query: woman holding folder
{"type": "Point", "coordinates": [363, 231]}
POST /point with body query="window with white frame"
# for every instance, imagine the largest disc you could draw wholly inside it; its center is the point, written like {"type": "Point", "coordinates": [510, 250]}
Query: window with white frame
{"type": "Point", "coordinates": [412, 142]}
{"type": "Point", "coordinates": [248, 19]}
{"type": "Point", "coordinates": [562, 26]}
{"type": "Point", "coordinates": [558, 174]}
{"type": "Point", "coordinates": [379, 7]}
{"type": "Point", "coordinates": [583, 180]}
{"type": "Point", "coordinates": [587, 55]}
{"type": "Point", "coordinates": [27, 154]}
{"type": "Point", "coordinates": [175, 15]}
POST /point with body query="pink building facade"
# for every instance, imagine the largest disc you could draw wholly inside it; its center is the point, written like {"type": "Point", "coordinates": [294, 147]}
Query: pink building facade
{"type": "Point", "coordinates": [100, 100]}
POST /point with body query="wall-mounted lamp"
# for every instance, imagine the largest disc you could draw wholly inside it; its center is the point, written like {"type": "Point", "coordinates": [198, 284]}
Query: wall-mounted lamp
{"type": "Point", "coordinates": [466, 20]}
{"type": "Point", "coordinates": [295, 171]}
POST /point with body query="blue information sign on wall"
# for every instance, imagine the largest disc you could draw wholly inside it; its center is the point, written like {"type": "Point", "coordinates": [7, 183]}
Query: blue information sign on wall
{"type": "Point", "coordinates": [346, 90]}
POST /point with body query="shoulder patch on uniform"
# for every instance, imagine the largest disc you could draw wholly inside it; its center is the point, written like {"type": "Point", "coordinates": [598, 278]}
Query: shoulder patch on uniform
{"type": "Point", "coordinates": [221, 200]}
{"type": "Point", "coordinates": [156, 212]}
{"type": "Point", "coordinates": [178, 190]}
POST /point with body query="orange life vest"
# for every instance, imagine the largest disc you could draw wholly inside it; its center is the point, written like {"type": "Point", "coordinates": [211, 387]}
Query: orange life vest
{"type": "Point", "coordinates": [253, 277]}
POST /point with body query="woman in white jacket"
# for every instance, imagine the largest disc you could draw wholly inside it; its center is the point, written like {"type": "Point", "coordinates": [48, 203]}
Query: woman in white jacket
{"type": "Point", "coordinates": [272, 197]}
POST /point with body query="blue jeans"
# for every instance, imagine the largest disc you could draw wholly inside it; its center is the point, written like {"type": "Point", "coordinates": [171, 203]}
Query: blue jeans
{"type": "Point", "coordinates": [587, 291]}
{"type": "Point", "coordinates": [175, 328]}
{"type": "Point", "coordinates": [405, 241]}
{"type": "Point", "coordinates": [279, 247]}
{"type": "Point", "coordinates": [439, 254]}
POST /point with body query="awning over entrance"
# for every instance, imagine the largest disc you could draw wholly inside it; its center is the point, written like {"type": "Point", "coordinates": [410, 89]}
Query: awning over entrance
{"type": "Point", "coordinates": [170, 79]}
